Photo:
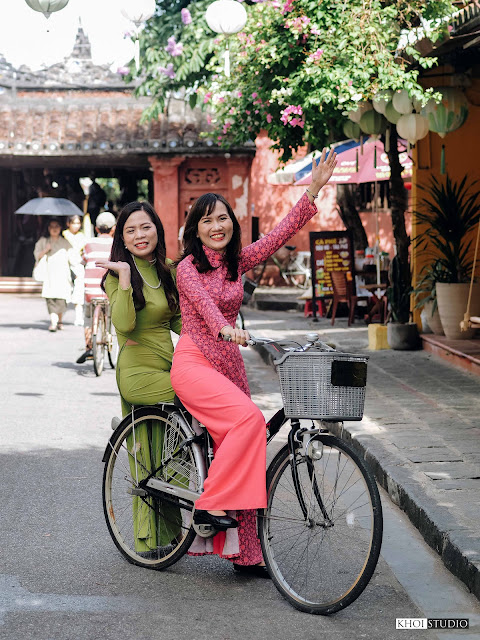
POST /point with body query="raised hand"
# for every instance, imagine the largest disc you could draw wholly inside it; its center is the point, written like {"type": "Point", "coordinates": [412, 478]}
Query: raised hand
{"type": "Point", "coordinates": [322, 172]}
{"type": "Point", "coordinates": [122, 268]}
{"type": "Point", "coordinates": [118, 267]}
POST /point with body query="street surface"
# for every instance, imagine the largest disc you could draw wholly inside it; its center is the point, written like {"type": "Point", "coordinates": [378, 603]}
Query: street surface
{"type": "Point", "coordinates": [61, 576]}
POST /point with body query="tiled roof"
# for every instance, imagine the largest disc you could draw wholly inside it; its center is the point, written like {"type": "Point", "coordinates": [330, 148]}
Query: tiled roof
{"type": "Point", "coordinates": [51, 123]}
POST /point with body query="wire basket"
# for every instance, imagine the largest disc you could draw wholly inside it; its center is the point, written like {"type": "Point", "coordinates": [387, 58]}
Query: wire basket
{"type": "Point", "coordinates": [323, 385]}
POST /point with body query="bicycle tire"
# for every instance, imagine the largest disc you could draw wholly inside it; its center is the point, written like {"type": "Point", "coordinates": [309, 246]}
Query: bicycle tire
{"type": "Point", "coordinates": [113, 348]}
{"type": "Point", "coordinates": [130, 517]}
{"type": "Point", "coordinates": [321, 564]}
{"type": "Point", "coordinates": [98, 341]}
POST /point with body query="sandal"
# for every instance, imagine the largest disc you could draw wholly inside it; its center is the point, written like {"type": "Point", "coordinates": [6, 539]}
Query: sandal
{"type": "Point", "coordinates": [59, 326]}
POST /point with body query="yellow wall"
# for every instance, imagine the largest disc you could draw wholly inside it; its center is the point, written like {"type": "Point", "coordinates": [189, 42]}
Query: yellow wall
{"type": "Point", "coordinates": [462, 157]}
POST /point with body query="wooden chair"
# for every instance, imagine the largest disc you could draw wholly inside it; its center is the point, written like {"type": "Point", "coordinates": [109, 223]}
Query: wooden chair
{"type": "Point", "coordinates": [343, 292]}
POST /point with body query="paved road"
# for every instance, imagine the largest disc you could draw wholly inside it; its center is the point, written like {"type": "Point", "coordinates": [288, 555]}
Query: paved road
{"type": "Point", "coordinates": [60, 574]}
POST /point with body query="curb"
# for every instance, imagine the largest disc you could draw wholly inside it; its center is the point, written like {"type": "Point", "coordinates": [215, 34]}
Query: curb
{"type": "Point", "coordinates": [442, 534]}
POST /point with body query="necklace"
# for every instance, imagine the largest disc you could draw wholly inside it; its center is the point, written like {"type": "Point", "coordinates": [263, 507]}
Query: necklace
{"type": "Point", "coordinates": [148, 285]}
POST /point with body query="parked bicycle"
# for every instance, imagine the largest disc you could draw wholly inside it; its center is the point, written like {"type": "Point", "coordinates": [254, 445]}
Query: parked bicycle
{"type": "Point", "coordinates": [321, 531]}
{"type": "Point", "coordinates": [104, 336]}
{"type": "Point", "coordinates": [294, 267]}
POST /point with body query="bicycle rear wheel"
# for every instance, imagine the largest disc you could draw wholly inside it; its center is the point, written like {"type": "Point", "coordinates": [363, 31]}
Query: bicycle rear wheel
{"type": "Point", "coordinates": [98, 341]}
{"type": "Point", "coordinates": [321, 540]}
{"type": "Point", "coordinates": [149, 531]}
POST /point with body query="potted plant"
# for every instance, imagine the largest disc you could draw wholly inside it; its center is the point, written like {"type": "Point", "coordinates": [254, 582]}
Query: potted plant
{"type": "Point", "coordinates": [426, 295]}
{"type": "Point", "coordinates": [450, 211]}
{"type": "Point", "coordinates": [401, 333]}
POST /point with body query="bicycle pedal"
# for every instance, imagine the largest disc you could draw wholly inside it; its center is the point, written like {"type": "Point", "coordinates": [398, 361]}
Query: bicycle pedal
{"type": "Point", "coordinates": [204, 530]}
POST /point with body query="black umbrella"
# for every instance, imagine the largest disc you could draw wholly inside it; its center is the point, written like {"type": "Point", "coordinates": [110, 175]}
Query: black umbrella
{"type": "Point", "coordinates": [50, 207]}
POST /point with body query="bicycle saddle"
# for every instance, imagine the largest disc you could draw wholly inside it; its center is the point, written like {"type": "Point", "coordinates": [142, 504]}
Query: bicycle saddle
{"type": "Point", "coordinates": [290, 247]}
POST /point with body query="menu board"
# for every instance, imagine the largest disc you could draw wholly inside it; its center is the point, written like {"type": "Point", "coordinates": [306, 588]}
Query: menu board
{"type": "Point", "coordinates": [330, 251]}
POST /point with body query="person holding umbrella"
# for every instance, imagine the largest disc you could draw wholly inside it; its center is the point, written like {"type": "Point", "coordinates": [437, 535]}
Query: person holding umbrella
{"type": "Point", "coordinates": [59, 256]}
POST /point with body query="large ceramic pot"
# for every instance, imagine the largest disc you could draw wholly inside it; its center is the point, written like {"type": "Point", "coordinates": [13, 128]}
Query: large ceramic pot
{"type": "Point", "coordinates": [433, 319]}
{"type": "Point", "coordinates": [452, 301]}
{"type": "Point", "coordinates": [403, 337]}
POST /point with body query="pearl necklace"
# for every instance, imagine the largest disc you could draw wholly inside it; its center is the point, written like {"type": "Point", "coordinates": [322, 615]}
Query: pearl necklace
{"type": "Point", "coordinates": [148, 285]}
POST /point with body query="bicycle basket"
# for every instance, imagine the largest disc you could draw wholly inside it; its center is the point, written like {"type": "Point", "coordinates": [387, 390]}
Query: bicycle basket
{"type": "Point", "coordinates": [323, 385]}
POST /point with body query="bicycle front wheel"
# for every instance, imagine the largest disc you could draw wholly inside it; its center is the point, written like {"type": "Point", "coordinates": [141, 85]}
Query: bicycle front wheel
{"type": "Point", "coordinates": [149, 531]}
{"type": "Point", "coordinates": [98, 341]}
{"type": "Point", "coordinates": [321, 536]}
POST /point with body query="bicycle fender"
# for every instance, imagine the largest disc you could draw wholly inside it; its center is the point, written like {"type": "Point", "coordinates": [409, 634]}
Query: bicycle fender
{"type": "Point", "coordinates": [140, 412]}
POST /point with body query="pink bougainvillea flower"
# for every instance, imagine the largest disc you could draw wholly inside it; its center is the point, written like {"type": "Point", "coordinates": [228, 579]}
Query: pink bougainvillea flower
{"type": "Point", "coordinates": [269, 117]}
{"type": "Point", "coordinates": [186, 16]}
{"type": "Point", "coordinates": [254, 94]}
{"type": "Point", "coordinates": [207, 97]}
{"type": "Point", "coordinates": [167, 71]}
{"type": "Point", "coordinates": [123, 71]}
{"type": "Point", "coordinates": [174, 48]}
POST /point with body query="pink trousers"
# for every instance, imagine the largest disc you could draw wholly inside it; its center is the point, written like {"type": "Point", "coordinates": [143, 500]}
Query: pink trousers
{"type": "Point", "coordinates": [236, 478]}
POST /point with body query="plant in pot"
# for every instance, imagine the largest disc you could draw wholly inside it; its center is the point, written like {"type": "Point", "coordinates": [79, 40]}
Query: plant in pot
{"type": "Point", "coordinates": [401, 333]}
{"type": "Point", "coordinates": [426, 295]}
{"type": "Point", "coordinates": [450, 211]}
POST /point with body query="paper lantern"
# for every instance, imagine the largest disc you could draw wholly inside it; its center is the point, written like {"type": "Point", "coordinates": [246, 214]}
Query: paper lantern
{"type": "Point", "coordinates": [362, 108]}
{"type": "Point", "coordinates": [401, 102]}
{"type": "Point", "coordinates": [449, 114]}
{"type": "Point", "coordinates": [412, 127]}
{"type": "Point", "coordinates": [391, 114]}
{"type": "Point", "coordinates": [352, 130]}
{"type": "Point", "coordinates": [226, 16]}
{"type": "Point", "coordinates": [373, 123]}
{"type": "Point", "coordinates": [47, 7]}
{"type": "Point", "coordinates": [381, 99]}
{"type": "Point", "coordinates": [138, 11]}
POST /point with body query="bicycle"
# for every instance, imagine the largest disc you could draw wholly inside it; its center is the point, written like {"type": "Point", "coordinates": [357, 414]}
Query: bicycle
{"type": "Point", "coordinates": [321, 531]}
{"type": "Point", "coordinates": [103, 335]}
{"type": "Point", "coordinates": [293, 266]}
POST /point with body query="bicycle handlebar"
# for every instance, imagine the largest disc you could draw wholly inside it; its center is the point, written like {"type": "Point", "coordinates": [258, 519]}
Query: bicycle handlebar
{"type": "Point", "coordinates": [312, 338]}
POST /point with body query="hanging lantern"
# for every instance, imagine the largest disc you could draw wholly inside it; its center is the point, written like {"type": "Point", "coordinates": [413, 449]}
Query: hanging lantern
{"type": "Point", "coordinates": [226, 17]}
{"type": "Point", "coordinates": [373, 123]}
{"type": "Point", "coordinates": [412, 127]}
{"type": "Point", "coordinates": [47, 7]}
{"type": "Point", "coordinates": [362, 108]}
{"type": "Point", "coordinates": [401, 102]}
{"type": "Point", "coordinates": [449, 114]}
{"type": "Point", "coordinates": [391, 113]}
{"type": "Point", "coordinates": [138, 12]}
{"type": "Point", "coordinates": [352, 130]}
{"type": "Point", "coordinates": [381, 100]}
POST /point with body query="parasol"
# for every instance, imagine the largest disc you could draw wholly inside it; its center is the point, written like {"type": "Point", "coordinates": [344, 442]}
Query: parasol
{"type": "Point", "coordinates": [50, 207]}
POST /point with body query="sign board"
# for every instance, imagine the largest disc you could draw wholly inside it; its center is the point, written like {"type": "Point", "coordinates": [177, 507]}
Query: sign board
{"type": "Point", "coordinates": [330, 251]}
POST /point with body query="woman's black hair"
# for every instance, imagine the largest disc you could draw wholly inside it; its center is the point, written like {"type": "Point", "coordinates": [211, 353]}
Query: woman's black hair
{"type": "Point", "coordinates": [46, 232]}
{"type": "Point", "coordinates": [192, 245]}
{"type": "Point", "coordinates": [120, 253]}
{"type": "Point", "coordinates": [72, 218]}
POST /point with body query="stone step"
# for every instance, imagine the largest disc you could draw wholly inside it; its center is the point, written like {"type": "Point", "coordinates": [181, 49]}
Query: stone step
{"type": "Point", "coordinates": [15, 284]}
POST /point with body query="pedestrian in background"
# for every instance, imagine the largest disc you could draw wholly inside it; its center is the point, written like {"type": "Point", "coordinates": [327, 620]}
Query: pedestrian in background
{"type": "Point", "coordinates": [97, 248]}
{"type": "Point", "coordinates": [77, 239]}
{"type": "Point", "coordinates": [57, 283]}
